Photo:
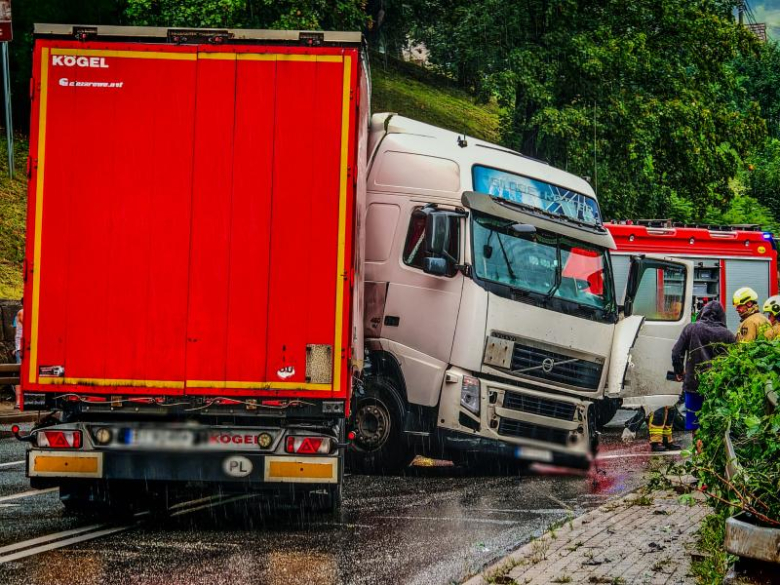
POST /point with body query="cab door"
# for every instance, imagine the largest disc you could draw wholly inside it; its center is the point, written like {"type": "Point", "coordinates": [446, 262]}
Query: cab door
{"type": "Point", "coordinates": [658, 300]}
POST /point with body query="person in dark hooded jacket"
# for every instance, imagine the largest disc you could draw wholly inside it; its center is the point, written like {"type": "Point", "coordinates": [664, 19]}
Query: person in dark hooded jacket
{"type": "Point", "coordinates": [699, 343]}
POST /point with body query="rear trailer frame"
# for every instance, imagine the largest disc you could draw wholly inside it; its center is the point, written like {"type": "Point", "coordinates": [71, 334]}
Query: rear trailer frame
{"type": "Point", "coordinates": [256, 456]}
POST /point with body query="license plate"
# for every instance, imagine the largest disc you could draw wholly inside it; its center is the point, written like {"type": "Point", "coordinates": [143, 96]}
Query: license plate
{"type": "Point", "coordinates": [159, 438]}
{"type": "Point", "coordinates": [534, 454]}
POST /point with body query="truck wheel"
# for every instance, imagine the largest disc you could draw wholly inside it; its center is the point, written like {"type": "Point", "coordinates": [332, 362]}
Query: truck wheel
{"type": "Point", "coordinates": [77, 498]}
{"type": "Point", "coordinates": [332, 503]}
{"type": "Point", "coordinates": [379, 445]}
{"type": "Point", "coordinates": [94, 498]}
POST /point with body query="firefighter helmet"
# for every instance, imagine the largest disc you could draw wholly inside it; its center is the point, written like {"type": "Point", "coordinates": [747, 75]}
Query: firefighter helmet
{"type": "Point", "coordinates": [744, 295]}
{"type": "Point", "coordinates": [772, 305]}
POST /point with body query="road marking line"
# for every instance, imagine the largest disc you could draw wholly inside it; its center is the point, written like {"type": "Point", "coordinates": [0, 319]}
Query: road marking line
{"type": "Point", "coordinates": [449, 519]}
{"type": "Point", "coordinates": [27, 548]}
{"type": "Point", "coordinates": [62, 543]}
{"type": "Point", "coordinates": [49, 537]}
{"type": "Point", "coordinates": [27, 494]}
{"type": "Point", "coordinates": [11, 463]}
{"type": "Point", "coordinates": [519, 510]}
{"type": "Point", "coordinates": [226, 501]}
{"type": "Point", "coordinates": [627, 455]}
{"type": "Point", "coordinates": [182, 504]}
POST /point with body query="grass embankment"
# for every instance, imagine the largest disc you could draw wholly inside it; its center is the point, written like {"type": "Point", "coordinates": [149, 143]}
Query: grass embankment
{"type": "Point", "coordinates": [412, 91]}
{"type": "Point", "coordinates": [13, 218]}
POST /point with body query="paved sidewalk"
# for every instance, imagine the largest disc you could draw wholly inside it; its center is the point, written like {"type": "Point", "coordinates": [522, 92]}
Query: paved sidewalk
{"type": "Point", "coordinates": [635, 540]}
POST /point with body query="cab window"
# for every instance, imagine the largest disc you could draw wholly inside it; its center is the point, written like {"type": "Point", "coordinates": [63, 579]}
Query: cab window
{"type": "Point", "coordinates": [661, 294]}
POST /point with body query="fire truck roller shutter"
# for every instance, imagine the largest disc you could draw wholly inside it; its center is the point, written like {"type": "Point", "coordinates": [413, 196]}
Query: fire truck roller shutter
{"type": "Point", "coordinates": [739, 273]}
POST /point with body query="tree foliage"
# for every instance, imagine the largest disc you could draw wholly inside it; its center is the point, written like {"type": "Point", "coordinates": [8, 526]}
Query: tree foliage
{"type": "Point", "coordinates": [735, 401]}
{"type": "Point", "coordinates": [272, 14]}
{"type": "Point", "coordinates": [642, 97]}
{"type": "Point", "coordinates": [660, 103]}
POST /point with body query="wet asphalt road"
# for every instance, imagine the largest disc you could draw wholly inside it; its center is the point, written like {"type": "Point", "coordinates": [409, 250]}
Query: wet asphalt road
{"type": "Point", "coordinates": [435, 525]}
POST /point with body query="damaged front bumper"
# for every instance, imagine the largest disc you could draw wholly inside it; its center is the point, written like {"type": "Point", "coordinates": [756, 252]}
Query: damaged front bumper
{"type": "Point", "coordinates": [515, 422]}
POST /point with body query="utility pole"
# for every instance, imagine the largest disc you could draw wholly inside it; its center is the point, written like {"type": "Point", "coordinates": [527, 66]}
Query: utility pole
{"type": "Point", "coordinates": [9, 130]}
{"type": "Point", "coordinates": [741, 12]}
{"type": "Point", "coordinates": [6, 34]}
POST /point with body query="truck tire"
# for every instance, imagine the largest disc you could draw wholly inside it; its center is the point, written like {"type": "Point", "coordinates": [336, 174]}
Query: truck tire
{"type": "Point", "coordinates": [379, 445]}
{"type": "Point", "coordinates": [77, 498]}
{"type": "Point", "coordinates": [92, 498]}
{"type": "Point", "coordinates": [332, 502]}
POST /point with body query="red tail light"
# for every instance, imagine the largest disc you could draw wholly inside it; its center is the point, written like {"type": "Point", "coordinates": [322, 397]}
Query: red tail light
{"type": "Point", "coordinates": [308, 445]}
{"type": "Point", "coordinates": [59, 439]}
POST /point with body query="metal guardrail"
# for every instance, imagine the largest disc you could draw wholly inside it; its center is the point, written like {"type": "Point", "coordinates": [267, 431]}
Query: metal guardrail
{"type": "Point", "coordinates": [9, 374]}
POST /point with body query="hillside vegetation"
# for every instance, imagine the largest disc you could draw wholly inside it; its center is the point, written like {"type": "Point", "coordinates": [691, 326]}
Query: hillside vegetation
{"type": "Point", "coordinates": [410, 90]}
{"type": "Point", "coordinates": [13, 216]}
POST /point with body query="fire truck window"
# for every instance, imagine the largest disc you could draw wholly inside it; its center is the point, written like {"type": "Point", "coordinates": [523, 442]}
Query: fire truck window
{"type": "Point", "coordinates": [414, 248]}
{"type": "Point", "coordinates": [661, 294]}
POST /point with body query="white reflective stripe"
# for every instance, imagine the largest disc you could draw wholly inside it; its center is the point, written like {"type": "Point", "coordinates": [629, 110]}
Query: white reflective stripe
{"type": "Point", "coordinates": [17, 546]}
{"type": "Point", "coordinates": [76, 539]}
{"type": "Point", "coordinates": [11, 463]}
{"type": "Point", "coordinates": [27, 494]}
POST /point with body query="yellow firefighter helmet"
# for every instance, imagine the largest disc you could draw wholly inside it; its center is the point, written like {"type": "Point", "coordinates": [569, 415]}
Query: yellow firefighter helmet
{"type": "Point", "coordinates": [744, 295]}
{"type": "Point", "coordinates": [772, 305]}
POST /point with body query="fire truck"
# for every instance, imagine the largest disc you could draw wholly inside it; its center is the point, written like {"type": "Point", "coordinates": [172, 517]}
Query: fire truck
{"type": "Point", "coordinates": [725, 257]}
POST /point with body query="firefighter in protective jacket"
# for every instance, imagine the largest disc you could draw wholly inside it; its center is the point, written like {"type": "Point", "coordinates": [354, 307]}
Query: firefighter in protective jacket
{"type": "Point", "coordinates": [772, 310]}
{"type": "Point", "coordinates": [753, 323]}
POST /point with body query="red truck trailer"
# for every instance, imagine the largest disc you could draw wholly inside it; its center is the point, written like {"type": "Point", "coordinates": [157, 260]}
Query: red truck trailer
{"type": "Point", "coordinates": [192, 281]}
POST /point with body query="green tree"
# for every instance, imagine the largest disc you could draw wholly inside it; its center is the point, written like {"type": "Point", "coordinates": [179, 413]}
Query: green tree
{"type": "Point", "coordinates": [763, 176]}
{"type": "Point", "coordinates": [640, 96]}
{"type": "Point", "coordinates": [273, 14]}
{"type": "Point", "coordinates": [28, 12]}
{"type": "Point", "coordinates": [760, 79]}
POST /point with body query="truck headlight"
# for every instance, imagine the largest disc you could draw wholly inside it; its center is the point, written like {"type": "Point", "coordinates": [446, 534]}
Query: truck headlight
{"type": "Point", "coordinates": [469, 394]}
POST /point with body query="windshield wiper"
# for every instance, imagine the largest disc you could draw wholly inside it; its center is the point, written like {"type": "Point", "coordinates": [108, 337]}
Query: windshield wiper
{"type": "Point", "coordinates": [506, 258]}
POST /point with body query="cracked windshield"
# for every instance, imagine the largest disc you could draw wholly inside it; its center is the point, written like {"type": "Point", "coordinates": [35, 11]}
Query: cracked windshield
{"type": "Point", "coordinates": [543, 263]}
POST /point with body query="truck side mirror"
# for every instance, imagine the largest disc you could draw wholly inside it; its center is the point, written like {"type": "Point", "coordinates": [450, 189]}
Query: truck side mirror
{"type": "Point", "coordinates": [436, 266]}
{"type": "Point", "coordinates": [437, 233]}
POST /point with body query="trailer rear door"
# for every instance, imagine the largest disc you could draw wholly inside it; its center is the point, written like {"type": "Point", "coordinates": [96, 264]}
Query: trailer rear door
{"type": "Point", "coordinates": [190, 218]}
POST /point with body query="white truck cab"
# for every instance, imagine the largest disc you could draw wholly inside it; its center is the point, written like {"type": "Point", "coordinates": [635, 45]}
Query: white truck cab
{"type": "Point", "coordinates": [491, 321]}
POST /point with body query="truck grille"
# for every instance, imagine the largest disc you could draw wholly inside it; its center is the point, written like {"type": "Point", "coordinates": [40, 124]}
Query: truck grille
{"type": "Point", "coordinates": [524, 430]}
{"type": "Point", "coordinates": [529, 361]}
{"type": "Point", "coordinates": [540, 406]}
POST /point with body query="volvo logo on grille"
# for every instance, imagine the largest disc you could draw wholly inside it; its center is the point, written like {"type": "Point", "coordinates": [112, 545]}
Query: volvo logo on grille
{"type": "Point", "coordinates": [547, 365]}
